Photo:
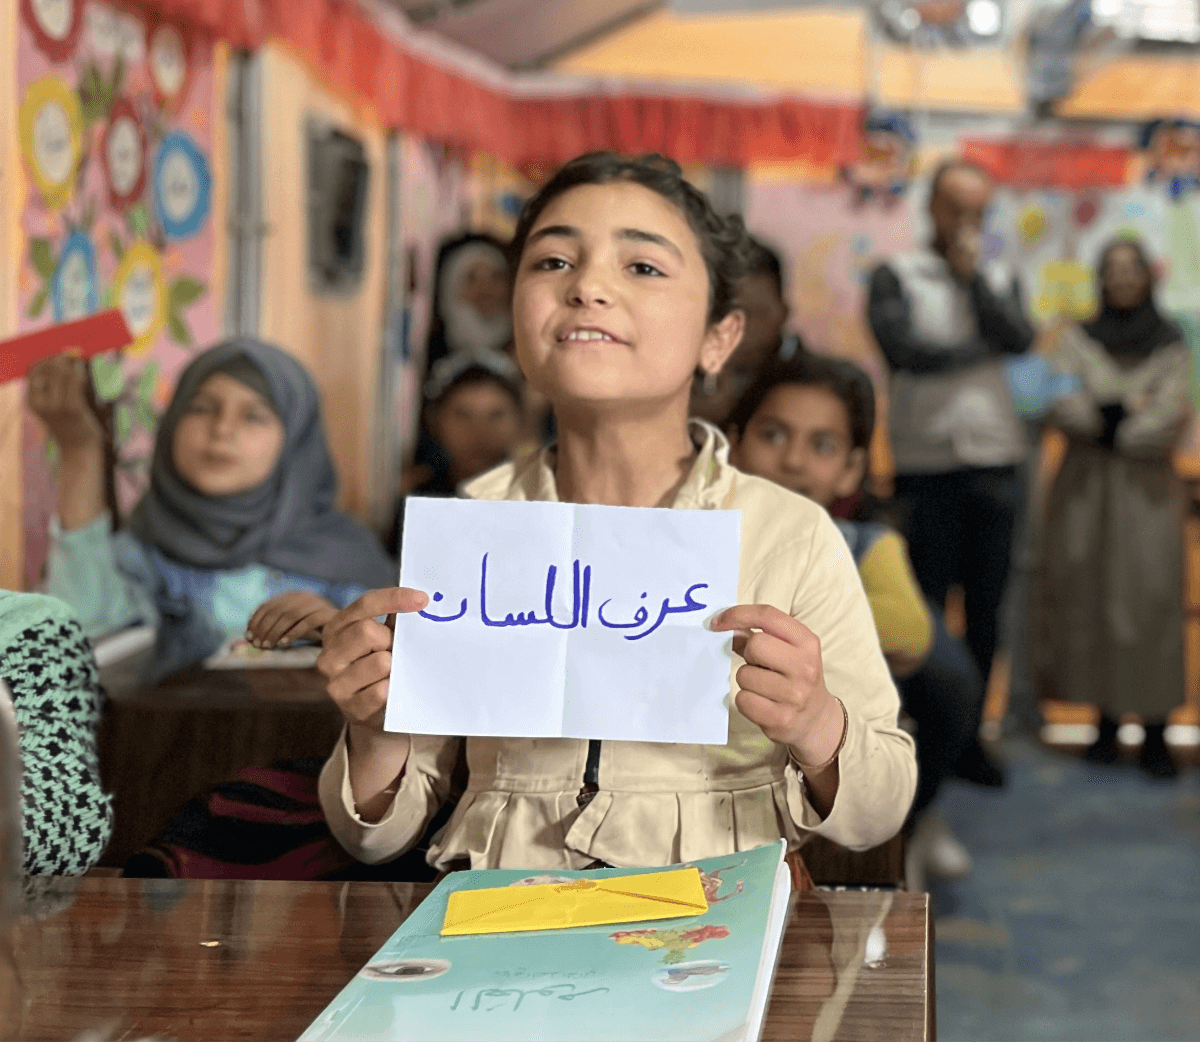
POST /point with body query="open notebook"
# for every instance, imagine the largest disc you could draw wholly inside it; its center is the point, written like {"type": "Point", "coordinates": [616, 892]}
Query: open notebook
{"type": "Point", "coordinates": [702, 976]}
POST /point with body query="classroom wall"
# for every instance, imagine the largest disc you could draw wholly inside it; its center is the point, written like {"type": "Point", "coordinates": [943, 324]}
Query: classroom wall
{"type": "Point", "coordinates": [829, 53]}
{"type": "Point", "coordinates": [338, 336]}
{"type": "Point", "coordinates": [130, 225]}
{"type": "Point", "coordinates": [12, 525]}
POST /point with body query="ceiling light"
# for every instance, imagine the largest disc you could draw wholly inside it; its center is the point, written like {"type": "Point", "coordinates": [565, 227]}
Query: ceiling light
{"type": "Point", "coordinates": [983, 16]}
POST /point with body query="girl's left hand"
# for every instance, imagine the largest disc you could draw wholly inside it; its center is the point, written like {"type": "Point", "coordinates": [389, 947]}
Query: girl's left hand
{"type": "Point", "coordinates": [283, 620]}
{"type": "Point", "coordinates": [782, 682]}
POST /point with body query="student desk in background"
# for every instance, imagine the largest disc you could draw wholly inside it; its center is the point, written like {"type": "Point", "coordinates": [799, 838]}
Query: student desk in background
{"type": "Point", "coordinates": [218, 959]}
{"type": "Point", "coordinates": [162, 745]}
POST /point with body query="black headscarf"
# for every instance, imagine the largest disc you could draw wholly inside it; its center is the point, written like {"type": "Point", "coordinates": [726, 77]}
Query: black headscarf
{"type": "Point", "coordinates": [1134, 332]}
{"type": "Point", "coordinates": [288, 522]}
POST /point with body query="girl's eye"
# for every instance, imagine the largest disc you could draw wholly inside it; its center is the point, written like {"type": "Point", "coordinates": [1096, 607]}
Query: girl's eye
{"type": "Point", "coordinates": [550, 264]}
{"type": "Point", "coordinates": [772, 435]}
{"type": "Point", "coordinates": [826, 446]}
{"type": "Point", "coordinates": [200, 406]}
{"type": "Point", "coordinates": [642, 268]}
{"type": "Point", "coordinates": [257, 416]}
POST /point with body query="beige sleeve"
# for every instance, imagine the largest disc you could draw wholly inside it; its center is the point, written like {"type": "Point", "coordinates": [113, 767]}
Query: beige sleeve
{"type": "Point", "coordinates": [1154, 430]}
{"type": "Point", "coordinates": [877, 768]}
{"type": "Point", "coordinates": [424, 786]}
{"type": "Point", "coordinates": [1076, 414]}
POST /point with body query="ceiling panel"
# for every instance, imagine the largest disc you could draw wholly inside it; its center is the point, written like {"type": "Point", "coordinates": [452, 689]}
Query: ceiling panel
{"type": "Point", "coordinates": [525, 33]}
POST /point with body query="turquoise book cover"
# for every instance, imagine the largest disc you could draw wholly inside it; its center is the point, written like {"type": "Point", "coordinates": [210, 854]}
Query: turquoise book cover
{"type": "Point", "coordinates": [692, 978]}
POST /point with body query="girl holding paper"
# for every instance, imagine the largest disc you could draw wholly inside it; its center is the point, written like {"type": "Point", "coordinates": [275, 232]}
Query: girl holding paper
{"type": "Point", "coordinates": [624, 289]}
{"type": "Point", "coordinates": [239, 510]}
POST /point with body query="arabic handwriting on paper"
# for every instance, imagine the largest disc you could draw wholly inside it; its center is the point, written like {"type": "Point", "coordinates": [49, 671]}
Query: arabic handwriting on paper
{"type": "Point", "coordinates": [551, 991]}
{"type": "Point", "coordinates": [581, 580]}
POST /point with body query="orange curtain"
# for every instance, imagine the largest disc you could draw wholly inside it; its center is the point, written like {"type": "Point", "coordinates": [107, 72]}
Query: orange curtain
{"type": "Point", "coordinates": [1042, 164]}
{"type": "Point", "coordinates": [416, 95]}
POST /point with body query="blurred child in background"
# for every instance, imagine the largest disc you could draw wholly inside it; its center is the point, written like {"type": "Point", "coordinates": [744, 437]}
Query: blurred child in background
{"type": "Point", "coordinates": [239, 510]}
{"type": "Point", "coordinates": [475, 413]}
{"type": "Point", "coordinates": [807, 424]}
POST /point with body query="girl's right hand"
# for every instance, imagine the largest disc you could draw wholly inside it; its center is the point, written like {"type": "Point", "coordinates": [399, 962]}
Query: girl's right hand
{"type": "Point", "coordinates": [356, 655]}
{"type": "Point", "coordinates": [58, 396]}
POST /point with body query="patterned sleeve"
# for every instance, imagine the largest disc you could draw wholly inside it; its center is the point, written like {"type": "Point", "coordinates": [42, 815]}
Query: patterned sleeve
{"type": "Point", "coordinates": [51, 673]}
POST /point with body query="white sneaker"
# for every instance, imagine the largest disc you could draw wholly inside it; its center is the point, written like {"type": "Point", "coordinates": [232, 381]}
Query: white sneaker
{"type": "Point", "coordinates": [946, 856]}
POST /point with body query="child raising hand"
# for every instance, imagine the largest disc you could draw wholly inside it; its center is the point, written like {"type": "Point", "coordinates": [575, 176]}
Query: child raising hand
{"type": "Point", "coordinates": [239, 510]}
{"type": "Point", "coordinates": [624, 288]}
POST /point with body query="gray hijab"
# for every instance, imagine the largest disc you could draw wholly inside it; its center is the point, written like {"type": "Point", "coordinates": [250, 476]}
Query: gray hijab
{"type": "Point", "coordinates": [288, 522]}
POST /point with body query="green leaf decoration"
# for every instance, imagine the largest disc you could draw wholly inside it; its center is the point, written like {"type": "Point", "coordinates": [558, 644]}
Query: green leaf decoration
{"type": "Point", "coordinates": [185, 290]}
{"type": "Point", "coordinates": [139, 219]}
{"type": "Point", "coordinates": [38, 303]}
{"type": "Point", "coordinates": [148, 382]}
{"type": "Point", "coordinates": [89, 215]}
{"type": "Point", "coordinates": [52, 455]}
{"type": "Point", "coordinates": [42, 257]}
{"type": "Point", "coordinates": [179, 330]}
{"type": "Point", "coordinates": [109, 377]}
{"type": "Point", "coordinates": [124, 421]}
{"type": "Point", "coordinates": [118, 78]}
{"type": "Point", "coordinates": [118, 248]}
{"type": "Point", "coordinates": [146, 416]}
{"type": "Point", "coordinates": [109, 299]}
{"type": "Point", "coordinates": [93, 95]}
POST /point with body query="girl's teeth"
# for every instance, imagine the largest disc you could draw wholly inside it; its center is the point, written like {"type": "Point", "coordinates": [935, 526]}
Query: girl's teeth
{"type": "Point", "coordinates": [588, 334]}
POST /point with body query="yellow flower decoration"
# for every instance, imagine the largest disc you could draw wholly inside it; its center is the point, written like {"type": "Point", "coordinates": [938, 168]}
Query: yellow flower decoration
{"type": "Point", "coordinates": [51, 131]}
{"type": "Point", "coordinates": [1067, 291]}
{"type": "Point", "coordinates": [141, 293]}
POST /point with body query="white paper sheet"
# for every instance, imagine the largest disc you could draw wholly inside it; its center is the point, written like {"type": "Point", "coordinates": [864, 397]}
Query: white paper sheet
{"type": "Point", "coordinates": [558, 620]}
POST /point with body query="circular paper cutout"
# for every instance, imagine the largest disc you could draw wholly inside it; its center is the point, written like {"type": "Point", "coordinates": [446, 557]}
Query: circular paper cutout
{"type": "Point", "coordinates": [55, 25]}
{"type": "Point", "coordinates": [52, 138]}
{"type": "Point", "coordinates": [167, 59]}
{"type": "Point", "coordinates": [141, 294]}
{"type": "Point", "coordinates": [1032, 224]}
{"type": "Point", "coordinates": [124, 154]}
{"type": "Point", "coordinates": [182, 186]}
{"type": "Point", "coordinates": [73, 288]}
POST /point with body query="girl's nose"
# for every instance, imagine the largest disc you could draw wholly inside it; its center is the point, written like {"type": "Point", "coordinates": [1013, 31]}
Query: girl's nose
{"type": "Point", "coordinates": [590, 287]}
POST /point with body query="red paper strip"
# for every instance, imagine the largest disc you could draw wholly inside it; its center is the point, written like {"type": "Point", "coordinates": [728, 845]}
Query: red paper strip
{"type": "Point", "coordinates": [93, 335]}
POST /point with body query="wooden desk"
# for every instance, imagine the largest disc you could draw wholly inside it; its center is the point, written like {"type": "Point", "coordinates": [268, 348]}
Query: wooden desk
{"type": "Point", "coordinates": [160, 746]}
{"type": "Point", "coordinates": [136, 957]}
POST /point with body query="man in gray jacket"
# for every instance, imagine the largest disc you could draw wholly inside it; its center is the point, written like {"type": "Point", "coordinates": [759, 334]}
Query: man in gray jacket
{"type": "Point", "coordinates": [945, 322]}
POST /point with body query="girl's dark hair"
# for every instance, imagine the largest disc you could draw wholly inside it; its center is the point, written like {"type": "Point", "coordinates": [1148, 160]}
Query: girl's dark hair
{"type": "Point", "coordinates": [723, 241]}
{"type": "Point", "coordinates": [842, 378]}
{"type": "Point", "coordinates": [453, 373]}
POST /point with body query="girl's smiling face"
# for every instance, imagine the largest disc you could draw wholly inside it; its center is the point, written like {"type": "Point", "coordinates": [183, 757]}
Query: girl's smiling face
{"type": "Point", "coordinates": [229, 438]}
{"type": "Point", "coordinates": [611, 301]}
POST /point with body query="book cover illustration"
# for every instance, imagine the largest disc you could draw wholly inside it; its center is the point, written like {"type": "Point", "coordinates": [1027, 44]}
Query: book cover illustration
{"type": "Point", "coordinates": [691, 978]}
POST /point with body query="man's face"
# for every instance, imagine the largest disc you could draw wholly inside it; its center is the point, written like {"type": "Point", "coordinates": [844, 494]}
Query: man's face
{"type": "Point", "coordinates": [960, 203]}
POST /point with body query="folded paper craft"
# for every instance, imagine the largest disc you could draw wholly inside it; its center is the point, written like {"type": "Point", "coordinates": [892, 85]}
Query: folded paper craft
{"type": "Point", "coordinates": [577, 902]}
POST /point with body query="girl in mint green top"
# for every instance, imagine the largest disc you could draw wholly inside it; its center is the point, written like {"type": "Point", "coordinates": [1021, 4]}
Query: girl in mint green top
{"type": "Point", "coordinates": [239, 509]}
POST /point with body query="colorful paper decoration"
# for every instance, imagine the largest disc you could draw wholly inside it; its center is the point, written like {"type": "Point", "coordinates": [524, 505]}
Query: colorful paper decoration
{"type": "Point", "coordinates": [182, 186]}
{"type": "Point", "coordinates": [73, 292]}
{"type": "Point", "coordinates": [169, 63]}
{"type": "Point", "coordinates": [90, 336]}
{"type": "Point", "coordinates": [55, 25]}
{"type": "Point", "coordinates": [123, 152]}
{"type": "Point", "coordinates": [1086, 211]}
{"type": "Point", "coordinates": [112, 32]}
{"type": "Point", "coordinates": [1031, 224]}
{"type": "Point", "coordinates": [51, 130]}
{"type": "Point", "coordinates": [140, 292]}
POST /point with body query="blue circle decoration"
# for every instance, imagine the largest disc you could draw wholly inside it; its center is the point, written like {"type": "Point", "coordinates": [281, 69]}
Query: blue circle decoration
{"type": "Point", "coordinates": [182, 186]}
{"type": "Point", "coordinates": [73, 288]}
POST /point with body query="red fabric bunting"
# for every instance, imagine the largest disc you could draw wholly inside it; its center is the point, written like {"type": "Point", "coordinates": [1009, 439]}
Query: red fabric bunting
{"type": "Point", "coordinates": [1044, 164]}
{"type": "Point", "coordinates": [416, 95]}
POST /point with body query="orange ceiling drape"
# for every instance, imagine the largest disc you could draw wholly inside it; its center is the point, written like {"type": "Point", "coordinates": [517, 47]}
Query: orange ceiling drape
{"type": "Point", "coordinates": [415, 94]}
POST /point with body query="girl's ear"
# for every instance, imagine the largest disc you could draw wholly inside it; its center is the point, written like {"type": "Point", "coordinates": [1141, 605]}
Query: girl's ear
{"type": "Point", "coordinates": [854, 475]}
{"type": "Point", "coordinates": [721, 341]}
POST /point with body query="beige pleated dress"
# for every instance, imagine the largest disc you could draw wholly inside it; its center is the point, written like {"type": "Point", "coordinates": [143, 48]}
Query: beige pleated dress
{"type": "Point", "coordinates": [1106, 605]}
{"type": "Point", "coordinates": [661, 804]}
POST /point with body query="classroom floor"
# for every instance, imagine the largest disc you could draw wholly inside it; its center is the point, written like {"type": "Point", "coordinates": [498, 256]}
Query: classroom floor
{"type": "Point", "coordinates": [1081, 920]}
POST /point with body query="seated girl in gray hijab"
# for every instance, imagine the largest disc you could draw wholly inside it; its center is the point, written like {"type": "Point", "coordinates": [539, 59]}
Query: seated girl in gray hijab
{"type": "Point", "coordinates": [239, 510]}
